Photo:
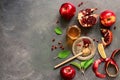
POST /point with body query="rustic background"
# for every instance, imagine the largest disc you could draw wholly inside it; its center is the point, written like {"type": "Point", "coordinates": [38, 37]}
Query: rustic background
{"type": "Point", "coordinates": [26, 31]}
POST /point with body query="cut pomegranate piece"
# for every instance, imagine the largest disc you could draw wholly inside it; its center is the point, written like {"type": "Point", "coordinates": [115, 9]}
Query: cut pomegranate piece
{"type": "Point", "coordinates": [107, 37]}
{"type": "Point", "coordinates": [87, 18]}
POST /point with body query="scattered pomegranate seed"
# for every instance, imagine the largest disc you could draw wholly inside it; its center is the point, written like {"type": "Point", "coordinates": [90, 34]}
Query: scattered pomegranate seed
{"type": "Point", "coordinates": [59, 43]}
{"type": "Point", "coordinates": [93, 39]}
{"type": "Point", "coordinates": [57, 21]}
{"type": "Point", "coordinates": [114, 28]}
{"type": "Point", "coordinates": [53, 40]}
{"type": "Point", "coordinates": [52, 48]}
{"type": "Point", "coordinates": [80, 4]}
{"type": "Point", "coordinates": [61, 46]}
{"type": "Point", "coordinates": [97, 41]}
{"type": "Point", "coordinates": [55, 47]}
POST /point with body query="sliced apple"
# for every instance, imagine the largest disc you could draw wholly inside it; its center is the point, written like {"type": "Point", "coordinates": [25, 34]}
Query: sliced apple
{"type": "Point", "coordinates": [101, 51]}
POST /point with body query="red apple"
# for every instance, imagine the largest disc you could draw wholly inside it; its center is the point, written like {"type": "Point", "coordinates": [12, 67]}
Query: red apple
{"type": "Point", "coordinates": [107, 18]}
{"type": "Point", "coordinates": [67, 10]}
{"type": "Point", "coordinates": [67, 72]}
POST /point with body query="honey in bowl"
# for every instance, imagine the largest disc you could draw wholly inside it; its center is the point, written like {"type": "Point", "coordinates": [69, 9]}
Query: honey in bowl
{"type": "Point", "coordinates": [73, 32]}
{"type": "Point", "coordinates": [86, 46]}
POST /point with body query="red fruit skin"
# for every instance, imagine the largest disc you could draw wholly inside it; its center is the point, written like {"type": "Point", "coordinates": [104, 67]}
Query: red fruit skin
{"type": "Point", "coordinates": [67, 72]}
{"type": "Point", "coordinates": [115, 52]}
{"type": "Point", "coordinates": [95, 68]}
{"type": "Point", "coordinates": [113, 63]}
{"type": "Point", "coordinates": [107, 18]}
{"type": "Point", "coordinates": [67, 10]}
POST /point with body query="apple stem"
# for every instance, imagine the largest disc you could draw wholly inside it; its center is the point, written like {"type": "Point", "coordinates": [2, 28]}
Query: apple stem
{"type": "Point", "coordinates": [83, 73]}
{"type": "Point", "coordinates": [84, 77]}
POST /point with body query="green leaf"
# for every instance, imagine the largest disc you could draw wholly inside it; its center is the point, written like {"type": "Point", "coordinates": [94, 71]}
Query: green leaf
{"type": "Point", "coordinates": [76, 64]}
{"type": "Point", "coordinates": [88, 63]}
{"type": "Point", "coordinates": [63, 54]}
{"type": "Point", "coordinates": [83, 63]}
{"type": "Point", "coordinates": [58, 30]}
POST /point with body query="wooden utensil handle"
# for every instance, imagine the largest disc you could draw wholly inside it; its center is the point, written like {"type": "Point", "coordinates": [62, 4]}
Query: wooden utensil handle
{"type": "Point", "coordinates": [62, 63]}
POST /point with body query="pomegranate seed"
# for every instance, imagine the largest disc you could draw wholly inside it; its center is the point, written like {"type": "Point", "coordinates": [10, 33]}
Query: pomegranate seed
{"type": "Point", "coordinates": [86, 41]}
{"type": "Point", "coordinates": [57, 21]}
{"type": "Point", "coordinates": [80, 4]}
{"type": "Point", "coordinates": [59, 43]}
{"type": "Point", "coordinates": [114, 28]}
{"type": "Point", "coordinates": [93, 39]}
{"type": "Point", "coordinates": [53, 40]}
{"type": "Point", "coordinates": [63, 48]}
{"type": "Point", "coordinates": [97, 41]}
{"type": "Point", "coordinates": [55, 47]}
{"type": "Point", "coordinates": [52, 49]}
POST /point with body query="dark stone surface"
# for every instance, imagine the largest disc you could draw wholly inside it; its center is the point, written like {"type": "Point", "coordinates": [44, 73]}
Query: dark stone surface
{"type": "Point", "coordinates": [26, 31]}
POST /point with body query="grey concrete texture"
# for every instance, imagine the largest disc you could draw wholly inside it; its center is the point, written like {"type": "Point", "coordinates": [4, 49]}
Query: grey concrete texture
{"type": "Point", "coordinates": [26, 33]}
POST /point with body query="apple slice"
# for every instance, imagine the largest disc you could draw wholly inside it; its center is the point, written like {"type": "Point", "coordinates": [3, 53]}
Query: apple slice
{"type": "Point", "coordinates": [101, 50]}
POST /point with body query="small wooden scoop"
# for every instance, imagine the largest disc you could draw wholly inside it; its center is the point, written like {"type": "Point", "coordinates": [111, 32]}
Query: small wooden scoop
{"type": "Point", "coordinates": [62, 63]}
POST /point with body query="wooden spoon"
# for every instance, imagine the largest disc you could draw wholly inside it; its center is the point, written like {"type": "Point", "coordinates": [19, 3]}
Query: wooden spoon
{"type": "Point", "coordinates": [64, 62]}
